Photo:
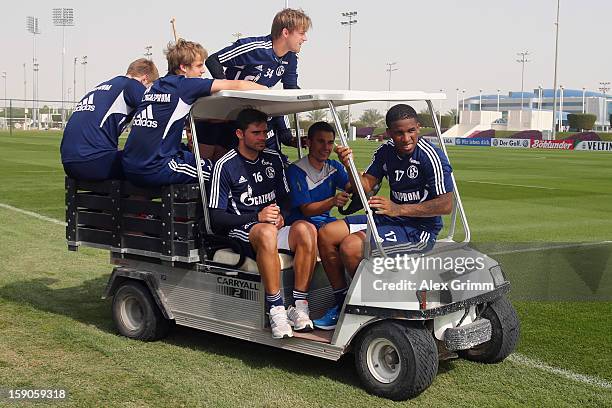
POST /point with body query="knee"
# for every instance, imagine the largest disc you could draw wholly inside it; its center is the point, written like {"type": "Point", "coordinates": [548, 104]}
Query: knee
{"type": "Point", "coordinates": [263, 236]}
{"type": "Point", "coordinates": [351, 247]}
{"type": "Point", "coordinates": [305, 233]}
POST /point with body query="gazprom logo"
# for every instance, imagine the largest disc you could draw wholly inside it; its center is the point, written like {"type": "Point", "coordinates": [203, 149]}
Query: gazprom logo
{"type": "Point", "coordinates": [145, 118]}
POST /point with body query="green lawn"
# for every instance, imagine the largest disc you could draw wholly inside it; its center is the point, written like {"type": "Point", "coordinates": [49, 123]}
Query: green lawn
{"type": "Point", "coordinates": [57, 332]}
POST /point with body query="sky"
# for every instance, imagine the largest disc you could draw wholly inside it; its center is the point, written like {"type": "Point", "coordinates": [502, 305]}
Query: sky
{"type": "Point", "coordinates": [444, 44]}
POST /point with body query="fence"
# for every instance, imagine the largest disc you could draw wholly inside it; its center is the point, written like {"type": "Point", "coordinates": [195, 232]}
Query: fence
{"type": "Point", "coordinates": [33, 114]}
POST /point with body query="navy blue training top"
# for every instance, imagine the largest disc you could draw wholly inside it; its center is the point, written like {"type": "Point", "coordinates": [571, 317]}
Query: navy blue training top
{"type": "Point", "coordinates": [99, 118]}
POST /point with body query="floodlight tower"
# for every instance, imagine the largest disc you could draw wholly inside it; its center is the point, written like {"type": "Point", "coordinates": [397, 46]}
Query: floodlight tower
{"type": "Point", "coordinates": [390, 69]}
{"type": "Point", "coordinates": [148, 52]}
{"type": "Point", "coordinates": [74, 91]}
{"type": "Point", "coordinates": [84, 63]}
{"type": "Point", "coordinates": [5, 102]}
{"type": "Point", "coordinates": [350, 21]}
{"type": "Point", "coordinates": [457, 113]}
{"type": "Point", "coordinates": [554, 127]}
{"type": "Point", "coordinates": [604, 87]}
{"type": "Point", "coordinates": [32, 27]}
{"type": "Point", "coordinates": [522, 61]}
{"type": "Point", "coordinates": [63, 17]}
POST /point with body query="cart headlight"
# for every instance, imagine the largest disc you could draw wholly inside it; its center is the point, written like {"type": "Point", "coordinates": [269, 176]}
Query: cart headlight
{"type": "Point", "coordinates": [498, 275]}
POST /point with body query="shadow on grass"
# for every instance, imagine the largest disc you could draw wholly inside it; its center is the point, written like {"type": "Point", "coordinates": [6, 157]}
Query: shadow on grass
{"type": "Point", "coordinates": [84, 304]}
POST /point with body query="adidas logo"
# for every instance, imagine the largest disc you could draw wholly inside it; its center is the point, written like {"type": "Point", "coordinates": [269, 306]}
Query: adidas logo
{"type": "Point", "coordinates": [259, 67]}
{"type": "Point", "coordinates": [242, 179]}
{"type": "Point", "coordinates": [86, 104]}
{"type": "Point", "coordinates": [145, 118]}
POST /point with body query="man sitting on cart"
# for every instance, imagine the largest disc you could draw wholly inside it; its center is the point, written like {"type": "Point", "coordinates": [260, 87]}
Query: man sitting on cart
{"type": "Point", "coordinates": [153, 155]}
{"type": "Point", "coordinates": [421, 187]}
{"type": "Point", "coordinates": [248, 191]}
{"type": "Point", "coordinates": [315, 178]}
{"type": "Point", "coordinates": [266, 60]}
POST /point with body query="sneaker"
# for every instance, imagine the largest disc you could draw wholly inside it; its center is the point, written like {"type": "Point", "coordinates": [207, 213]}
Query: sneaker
{"type": "Point", "coordinates": [329, 320]}
{"type": "Point", "coordinates": [279, 323]}
{"type": "Point", "coordinates": [299, 316]}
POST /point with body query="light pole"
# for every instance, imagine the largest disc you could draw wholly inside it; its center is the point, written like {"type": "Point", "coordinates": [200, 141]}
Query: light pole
{"type": "Point", "coordinates": [561, 108]}
{"type": "Point", "coordinates": [440, 109]}
{"type": "Point", "coordinates": [84, 63]}
{"type": "Point", "coordinates": [554, 130]}
{"type": "Point", "coordinates": [463, 101]}
{"type": "Point", "coordinates": [74, 94]}
{"type": "Point", "coordinates": [350, 21]}
{"type": "Point", "coordinates": [523, 60]}
{"type": "Point", "coordinates": [480, 100]}
{"type": "Point", "coordinates": [25, 92]}
{"type": "Point", "coordinates": [238, 35]}
{"type": "Point", "coordinates": [457, 114]}
{"type": "Point", "coordinates": [498, 91]}
{"type": "Point", "coordinates": [540, 97]}
{"type": "Point", "coordinates": [63, 17]}
{"type": "Point", "coordinates": [583, 99]}
{"type": "Point", "coordinates": [603, 87]}
{"type": "Point", "coordinates": [148, 52]}
{"type": "Point", "coordinates": [5, 105]}
{"type": "Point", "coordinates": [32, 27]}
{"type": "Point", "coordinates": [390, 69]}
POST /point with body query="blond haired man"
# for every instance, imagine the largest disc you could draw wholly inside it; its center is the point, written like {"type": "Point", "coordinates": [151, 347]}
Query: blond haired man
{"type": "Point", "coordinates": [265, 60]}
{"type": "Point", "coordinates": [153, 155]}
{"type": "Point", "coordinates": [89, 144]}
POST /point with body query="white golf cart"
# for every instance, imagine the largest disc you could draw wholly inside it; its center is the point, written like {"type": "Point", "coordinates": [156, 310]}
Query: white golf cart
{"type": "Point", "coordinates": [171, 269]}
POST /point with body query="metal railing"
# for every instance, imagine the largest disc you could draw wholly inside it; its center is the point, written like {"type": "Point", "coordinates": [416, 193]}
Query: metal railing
{"type": "Point", "coordinates": [34, 114]}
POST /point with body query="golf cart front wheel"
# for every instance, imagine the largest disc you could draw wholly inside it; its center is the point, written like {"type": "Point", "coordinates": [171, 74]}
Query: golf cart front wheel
{"type": "Point", "coordinates": [505, 331]}
{"type": "Point", "coordinates": [136, 314]}
{"type": "Point", "coordinates": [395, 360]}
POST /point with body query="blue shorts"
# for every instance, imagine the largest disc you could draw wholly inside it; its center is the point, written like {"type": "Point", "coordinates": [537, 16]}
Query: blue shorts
{"type": "Point", "coordinates": [398, 237]}
{"type": "Point", "coordinates": [103, 168]}
{"type": "Point", "coordinates": [180, 169]}
{"type": "Point", "coordinates": [241, 234]}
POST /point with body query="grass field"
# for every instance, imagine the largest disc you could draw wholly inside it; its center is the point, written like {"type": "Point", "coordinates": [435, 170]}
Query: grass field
{"type": "Point", "coordinates": [56, 332]}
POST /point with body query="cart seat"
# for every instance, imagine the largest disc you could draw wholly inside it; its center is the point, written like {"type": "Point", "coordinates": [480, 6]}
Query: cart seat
{"type": "Point", "coordinates": [227, 256]}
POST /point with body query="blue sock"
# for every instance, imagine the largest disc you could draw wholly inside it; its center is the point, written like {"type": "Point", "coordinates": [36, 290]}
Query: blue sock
{"type": "Point", "coordinates": [274, 300]}
{"type": "Point", "coordinates": [340, 295]}
{"type": "Point", "coordinates": [298, 295]}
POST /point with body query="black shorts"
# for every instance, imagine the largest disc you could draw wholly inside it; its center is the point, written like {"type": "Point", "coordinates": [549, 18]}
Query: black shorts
{"type": "Point", "coordinates": [217, 134]}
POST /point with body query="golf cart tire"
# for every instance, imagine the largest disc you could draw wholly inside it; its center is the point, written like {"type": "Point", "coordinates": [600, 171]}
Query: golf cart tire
{"type": "Point", "coordinates": [505, 332]}
{"type": "Point", "coordinates": [412, 347]}
{"type": "Point", "coordinates": [136, 314]}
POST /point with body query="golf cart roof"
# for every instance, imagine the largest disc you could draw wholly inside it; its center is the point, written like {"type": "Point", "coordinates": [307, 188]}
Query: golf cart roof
{"type": "Point", "coordinates": [225, 105]}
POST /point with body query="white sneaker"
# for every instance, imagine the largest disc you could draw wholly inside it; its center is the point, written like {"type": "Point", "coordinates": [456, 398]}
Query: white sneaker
{"type": "Point", "coordinates": [279, 323]}
{"type": "Point", "coordinates": [299, 316]}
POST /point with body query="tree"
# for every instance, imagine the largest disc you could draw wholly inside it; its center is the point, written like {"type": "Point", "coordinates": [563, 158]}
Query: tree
{"type": "Point", "coordinates": [371, 117]}
{"type": "Point", "coordinates": [317, 115]}
{"type": "Point", "coordinates": [343, 115]}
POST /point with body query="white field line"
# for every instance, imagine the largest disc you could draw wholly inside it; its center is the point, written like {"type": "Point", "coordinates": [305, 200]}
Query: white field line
{"type": "Point", "coordinates": [515, 358]}
{"type": "Point", "coordinates": [585, 379]}
{"type": "Point", "coordinates": [549, 247]}
{"type": "Point", "coordinates": [32, 214]}
{"type": "Point", "coordinates": [511, 185]}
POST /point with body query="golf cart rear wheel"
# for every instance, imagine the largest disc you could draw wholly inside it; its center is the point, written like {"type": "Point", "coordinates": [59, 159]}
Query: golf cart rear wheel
{"type": "Point", "coordinates": [396, 360]}
{"type": "Point", "coordinates": [505, 331]}
{"type": "Point", "coordinates": [136, 314]}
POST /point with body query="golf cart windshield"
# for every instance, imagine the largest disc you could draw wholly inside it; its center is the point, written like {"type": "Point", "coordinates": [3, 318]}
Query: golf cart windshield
{"type": "Point", "coordinates": [226, 105]}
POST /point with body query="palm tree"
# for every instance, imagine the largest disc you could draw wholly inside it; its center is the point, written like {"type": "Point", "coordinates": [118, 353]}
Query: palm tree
{"type": "Point", "coordinates": [371, 117]}
{"type": "Point", "coordinates": [317, 115]}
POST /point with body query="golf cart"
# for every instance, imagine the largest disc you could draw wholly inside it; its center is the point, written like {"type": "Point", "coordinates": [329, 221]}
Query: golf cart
{"type": "Point", "coordinates": [399, 318]}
